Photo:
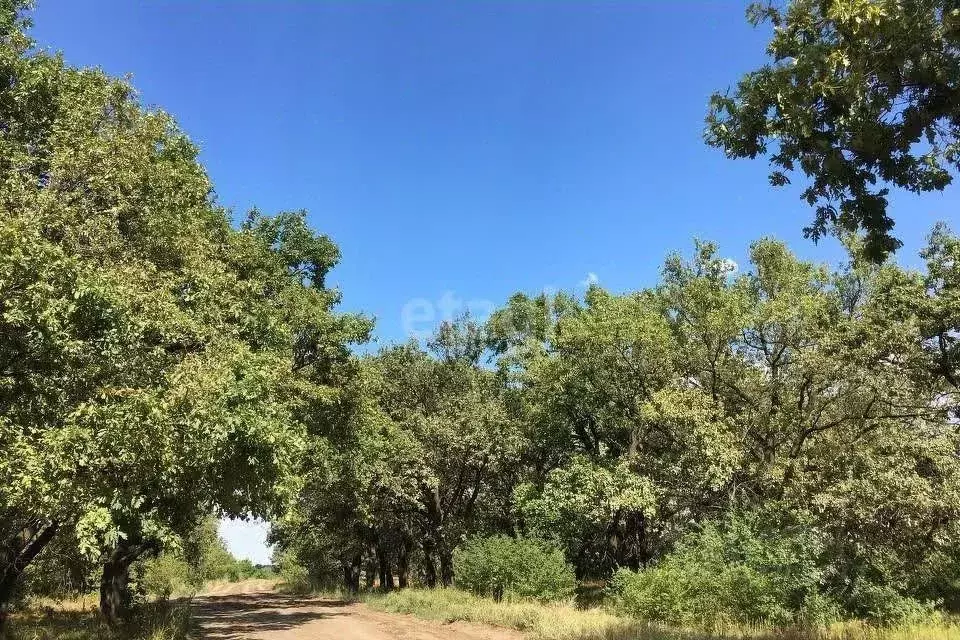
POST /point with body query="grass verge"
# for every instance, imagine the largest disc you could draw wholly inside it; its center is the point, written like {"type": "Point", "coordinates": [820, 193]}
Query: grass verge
{"type": "Point", "coordinates": [566, 622]}
{"type": "Point", "coordinates": [153, 621]}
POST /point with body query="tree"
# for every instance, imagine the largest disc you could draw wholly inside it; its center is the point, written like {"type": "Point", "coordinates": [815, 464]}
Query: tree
{"type": "Point", "coordinates": [422, 456]}
{"type": "Point", "coordinates": [858, 96]}
{"type": "Point", "coordinates": [354, 498]}
{"type": "Point", "coordinates": [617, 443]}
{"type": "Point", "coordinates": [453, 409]}
{"type": "Point", "coordinates": [845, 425]}
{"type": "Point", "coordinates": [155, 361]}
{"type": "Point", "coordinates": [789, 395]}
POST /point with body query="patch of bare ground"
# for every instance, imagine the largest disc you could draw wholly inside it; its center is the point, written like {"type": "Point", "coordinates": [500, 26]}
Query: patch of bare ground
{"type": "Point", "coordinates": [246, 611]}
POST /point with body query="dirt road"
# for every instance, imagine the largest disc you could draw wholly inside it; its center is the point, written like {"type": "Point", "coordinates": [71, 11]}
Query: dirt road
{"type": "Point", "coordinates": [251, 611]}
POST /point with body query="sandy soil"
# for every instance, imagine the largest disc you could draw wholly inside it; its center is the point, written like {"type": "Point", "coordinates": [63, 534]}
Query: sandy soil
{"type": "Point", "coordinates": [251, 611]}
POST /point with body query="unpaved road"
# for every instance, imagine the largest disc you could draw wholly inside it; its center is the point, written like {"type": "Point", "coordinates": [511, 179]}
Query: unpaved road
{"type": "Point", "coordinates": [250, 611]}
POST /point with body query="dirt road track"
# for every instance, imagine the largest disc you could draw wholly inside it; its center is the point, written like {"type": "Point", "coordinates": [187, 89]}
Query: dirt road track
{"type": "Point", "coordinates": [247, 614]}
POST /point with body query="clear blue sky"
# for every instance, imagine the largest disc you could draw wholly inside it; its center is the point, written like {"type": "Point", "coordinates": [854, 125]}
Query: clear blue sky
{"type": "Point", "coordinates": [458, 150]}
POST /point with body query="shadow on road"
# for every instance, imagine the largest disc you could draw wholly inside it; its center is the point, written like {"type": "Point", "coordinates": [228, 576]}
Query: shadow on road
{"type": "Point", "coordinates": [232, 617]}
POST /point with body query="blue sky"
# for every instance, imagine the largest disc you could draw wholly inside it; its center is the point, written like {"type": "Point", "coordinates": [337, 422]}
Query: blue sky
{"type": "Point", "coordinates": [460, 151]}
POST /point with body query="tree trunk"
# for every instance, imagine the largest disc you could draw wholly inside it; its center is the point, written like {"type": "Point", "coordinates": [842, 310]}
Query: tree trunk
{"type": "Point", "coordinates": [429, 567]}
{"type": "Point", "coordinates": [446, 567]}
{"type": "Point", "coordinates": [403, 564]}
{"type": "Point", "coordinates": [370, 573]}
{"type": "Point", "coordinates": [383, 566]}
{"type": "Point", "coordinates": [17, 553]}
{"type": "Point", "coordinates": [115, 596]}
{"type": "Point", "coordinates": [351, 574]}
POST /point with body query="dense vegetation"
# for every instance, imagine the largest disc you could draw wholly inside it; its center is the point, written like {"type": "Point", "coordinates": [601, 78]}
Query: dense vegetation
{"type": "Point", "coordinates": [775, 444]}
{"type": "Point", "coordinates": [783, 438]}
{"type": "Point", "coordinates": [155, 360]}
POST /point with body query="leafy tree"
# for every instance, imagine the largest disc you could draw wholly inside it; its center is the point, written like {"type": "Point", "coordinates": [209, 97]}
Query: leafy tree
{"type": "Point", "coordinates": [815, 396]}
{"type": "Point", "coordinates": [782, 435]}
{"type": "Point", "coordinates": [453, 410]}
{"type": "Point", "coordinates": [610, 424]}
{"type": "Point", "coordinates": [154, 360]}
{"type": "Point", "coordinates": [422, 456]}
{"type": "Point", "coordinates": [524, 568]}
{"type": "Point", "coordinates": [356, 483]}
{"type": "Point", "coordinates": [590, 511]}
{"type": "Point", "coordinates": [826, 377]}
{"type": "Point", "coordinates": [858, 96]}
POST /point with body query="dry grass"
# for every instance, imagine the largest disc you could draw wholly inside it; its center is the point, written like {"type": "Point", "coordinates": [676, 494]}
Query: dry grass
{"type": "Point", "coordinates": [77, 620]}
{"type": "Point", "coordinates": [566, 622]}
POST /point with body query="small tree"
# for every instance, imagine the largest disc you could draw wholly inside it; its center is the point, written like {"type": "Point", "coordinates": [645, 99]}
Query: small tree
{"type": "Point", "coordinates": [521, 567]}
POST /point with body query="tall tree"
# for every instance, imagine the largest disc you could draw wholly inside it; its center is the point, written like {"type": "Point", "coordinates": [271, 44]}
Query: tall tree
{"type": "Point", "coordinates": [427, 458]}
{"type": "Point", "coordinates": [154, 360]}
{"type": "Point", "coordinates": [859, 96]}
{"type": "Point", "coordinates": [843, 425]}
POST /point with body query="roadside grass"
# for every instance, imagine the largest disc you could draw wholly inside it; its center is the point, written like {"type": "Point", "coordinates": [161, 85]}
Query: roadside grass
{"type": "Point", "coordinates": [564, 621]}
{"type": "Point", "coordinates": [72, 620]}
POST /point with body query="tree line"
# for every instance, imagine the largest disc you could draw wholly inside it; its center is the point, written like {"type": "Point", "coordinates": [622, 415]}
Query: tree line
{"type": "Point", "coordinates": [162, 362]}
{"type": "Point", "coordinates": [811, 409]}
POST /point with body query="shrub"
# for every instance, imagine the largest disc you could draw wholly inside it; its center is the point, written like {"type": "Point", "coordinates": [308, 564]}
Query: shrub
{"type": "Point", "coordinates": [294, 576]}
{"type": "Point", "coordinates": [731, 574]}
{"type": "Point", "coordinates": [165, 575]}
{"type": "Point", "coordinates": [520, 567]}
{"type": "Point", "coordinates": [884, 603]}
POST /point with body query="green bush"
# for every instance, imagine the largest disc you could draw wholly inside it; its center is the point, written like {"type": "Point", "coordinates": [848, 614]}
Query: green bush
{"type": "Point", "coordinates": [294, 576]}
{"type": "Point", "coordinates": [519, 567]}
{"type": "Point", "coordinates": [884, 603]}
{"type": "Point", "coordinates": [165, 575]}
{"type": "Point", "coordinates": [736, 573]}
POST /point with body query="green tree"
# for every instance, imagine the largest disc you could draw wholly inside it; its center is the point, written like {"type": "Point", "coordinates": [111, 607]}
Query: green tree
{"type": "Point", "coordinates": [844, 423]}
{"type": "Point", "coordinates": [812, 396]}
{"type": "Point", "coordinates": [859, 95]}
{"type": "Point", "coordinates": [618, 445]}
{"type": "Point", "coordinates": [354, 498]}
{"type": "Point", "coordinates": [501, 566]}
{"type": "Point", "coordinates": [155, 362]}
{"type": "Point", "coordinates": [453, 410]}
{"type": "Point", "coordinates": [422, 455]}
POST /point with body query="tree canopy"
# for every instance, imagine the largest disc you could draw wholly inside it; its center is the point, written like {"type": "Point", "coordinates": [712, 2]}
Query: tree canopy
{"type": "Point", "coordinates": [715, 408]}
{"type": "Point", "coordinates": [154, 359]}
{"type": "Point", "coordinates": [777, 444]}
{"type": "Point", "coordinates": [858, 96]}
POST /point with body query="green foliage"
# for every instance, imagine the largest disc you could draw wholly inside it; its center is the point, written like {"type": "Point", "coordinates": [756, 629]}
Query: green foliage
{"type": "Point", "coordinates": [621, 426]}
{"type": "Point", "coordinates": [744, 572]}
{"type": "Point", "coordinates": [420, 453]}
{"type": "Point", "coordinates": [165, 575]}
{"type": "Point", "coordinates": [754, 569]}
{"type": "Point", "coordinates": [61, 572]}
{"type": "Point", "coordinates": [501, 566]}
{"type": "Point", "coordinates": [856, 93]}
{"type": "Point", "coordinates": [293, 575]}
{"type": "Point", "coordinates": [158, 363]}
{"type": "Point", "coordinates": [773, 444]}
{"type": "Point", "coordinates": [577, 503]}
